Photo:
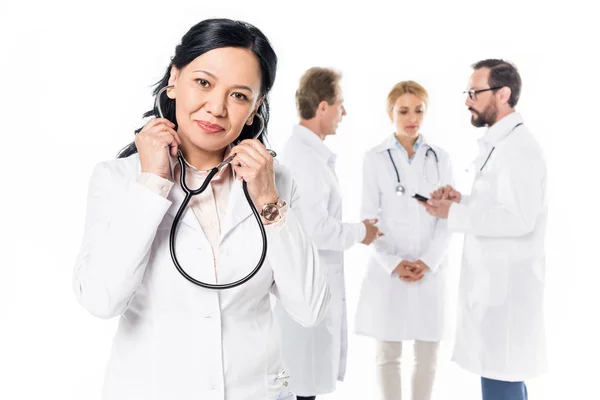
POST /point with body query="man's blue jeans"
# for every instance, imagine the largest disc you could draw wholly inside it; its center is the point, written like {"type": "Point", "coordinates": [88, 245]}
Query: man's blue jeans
{"type": "Point", "coordinates": [500, 390]}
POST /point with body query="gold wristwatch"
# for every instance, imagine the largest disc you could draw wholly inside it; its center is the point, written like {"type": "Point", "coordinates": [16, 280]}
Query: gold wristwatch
{"type": "Point", "coordinates": [271, 212]}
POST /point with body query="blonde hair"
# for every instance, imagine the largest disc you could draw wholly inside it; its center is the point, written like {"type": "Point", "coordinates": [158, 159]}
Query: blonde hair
{"type": "Point", "coordinates": [406, 87]}
{"type": "Point", "coordinates": [316, 85]}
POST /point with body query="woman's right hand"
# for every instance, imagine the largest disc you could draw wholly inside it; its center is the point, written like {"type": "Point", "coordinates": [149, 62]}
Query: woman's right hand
{"type": "Point", "coordinates": [154, 142]}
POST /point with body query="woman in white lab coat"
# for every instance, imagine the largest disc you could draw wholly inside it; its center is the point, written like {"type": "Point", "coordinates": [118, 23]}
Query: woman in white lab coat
{"type": "Point", "coordinates": [176, 340]}
{"type": "Point", "coordinates": [403, 292]}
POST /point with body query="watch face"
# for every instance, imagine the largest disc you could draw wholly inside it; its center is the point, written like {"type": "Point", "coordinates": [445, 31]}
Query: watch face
{"type": "Point", "coordinates": [270, 212]}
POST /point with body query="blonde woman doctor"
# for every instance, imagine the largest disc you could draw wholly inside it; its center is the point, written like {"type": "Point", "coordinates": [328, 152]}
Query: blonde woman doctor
{"type": "Point", "coordinates": [403, 292]}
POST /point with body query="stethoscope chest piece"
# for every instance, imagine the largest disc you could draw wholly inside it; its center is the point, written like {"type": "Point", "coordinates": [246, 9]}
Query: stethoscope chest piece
{"type": "Point", "coordinates": [400, 190]}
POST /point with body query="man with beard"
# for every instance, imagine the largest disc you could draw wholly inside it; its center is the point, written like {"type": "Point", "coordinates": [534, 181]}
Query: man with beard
{"type": "Point", "coordinates": [500, 330]}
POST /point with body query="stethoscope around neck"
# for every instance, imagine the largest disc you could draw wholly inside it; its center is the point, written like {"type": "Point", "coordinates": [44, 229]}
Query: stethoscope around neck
{"type": "Point", "coordinates": [189, 193]}
{"type": "Point", "coordinates": [400, 189]}
{"type": "Point", "coordinates": [491, 152]}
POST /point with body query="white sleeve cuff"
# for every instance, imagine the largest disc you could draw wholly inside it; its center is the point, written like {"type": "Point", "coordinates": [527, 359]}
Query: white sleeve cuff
{"type": "Point", "coordinates": [360, 231]}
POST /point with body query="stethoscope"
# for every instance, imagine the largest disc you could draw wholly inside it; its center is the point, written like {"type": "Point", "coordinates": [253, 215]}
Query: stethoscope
{"type": "Point", "coordinates": [189, 193]}
{"type": "Point", "coordinates": [494, 148]}
{"type": "Point", "coordinates": [400, 189]}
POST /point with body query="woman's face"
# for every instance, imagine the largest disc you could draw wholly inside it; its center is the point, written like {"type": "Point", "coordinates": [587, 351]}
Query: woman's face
{"type": "Point", "coordinates": [215, 95]}
{"type": "Point", "coordinates": [407, 115]}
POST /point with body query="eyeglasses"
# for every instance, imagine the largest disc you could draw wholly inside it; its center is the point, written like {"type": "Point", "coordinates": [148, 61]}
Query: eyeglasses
{"type": "Point", "coordinates": [473, 93]}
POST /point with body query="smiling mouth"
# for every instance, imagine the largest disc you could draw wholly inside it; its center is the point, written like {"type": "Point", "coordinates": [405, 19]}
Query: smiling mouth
{"type": "Point", "coordinates": [209, 128]}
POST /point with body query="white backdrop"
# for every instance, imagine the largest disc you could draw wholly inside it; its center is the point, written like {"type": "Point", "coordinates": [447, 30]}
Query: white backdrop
{"type": "Point", "coordinates": [76, 79]}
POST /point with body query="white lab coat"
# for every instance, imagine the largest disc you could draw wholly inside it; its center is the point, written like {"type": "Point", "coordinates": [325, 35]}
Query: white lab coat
{"type": "Point", "coordinates": [316, 357]}
{"type": "Point", "coordinates": [500, 331]}
{"type": "Point", "coordinates": [390, 309]}
{"type": "Point", "coordinates": [176, 340]}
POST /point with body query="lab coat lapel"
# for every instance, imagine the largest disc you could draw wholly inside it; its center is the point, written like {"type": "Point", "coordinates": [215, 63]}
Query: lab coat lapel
{"type": "Point", "coordinates": [177, 195]}
{"type": "Point", "coordinates": [237, 209]}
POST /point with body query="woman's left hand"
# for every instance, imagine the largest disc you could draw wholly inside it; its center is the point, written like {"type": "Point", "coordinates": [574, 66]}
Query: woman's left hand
{"type": "Point", "coordinates": [254, 164]}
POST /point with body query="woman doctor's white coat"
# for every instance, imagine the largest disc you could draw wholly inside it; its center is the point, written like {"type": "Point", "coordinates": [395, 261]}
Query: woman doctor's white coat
{"type": "Point", "coordinates": [176, 340]}
{"type": "Point", "coordinates": [390, 309]}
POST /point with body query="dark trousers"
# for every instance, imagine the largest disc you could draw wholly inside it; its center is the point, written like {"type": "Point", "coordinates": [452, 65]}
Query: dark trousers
{"type": "Point", "coordinates": [306, 398]}
{"type": "Point", "coordinates": [500, 390]}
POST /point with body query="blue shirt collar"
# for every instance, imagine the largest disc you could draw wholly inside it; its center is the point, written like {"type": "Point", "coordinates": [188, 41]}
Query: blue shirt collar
{"type": "Point", "coordinates": [416, 146]}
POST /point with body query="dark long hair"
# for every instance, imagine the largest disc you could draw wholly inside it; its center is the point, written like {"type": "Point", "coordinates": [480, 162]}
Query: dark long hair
{"type": "Point", "coordinates": [213, 34]}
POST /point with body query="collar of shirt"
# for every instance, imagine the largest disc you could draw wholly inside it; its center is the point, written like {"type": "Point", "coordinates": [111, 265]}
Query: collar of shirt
{"type": "Point", "coordinates": [500, 130]}
{"type": "Point", "coordinates": [222, 174]}
{"type": "Point", "coordinates": [391, 142]}
{"type": "Point", "coordinates": [314, 142]}
{"type": "Point", "coordinates": [416, 145]}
